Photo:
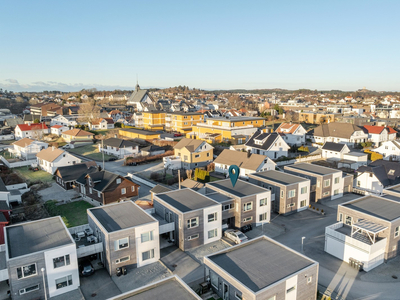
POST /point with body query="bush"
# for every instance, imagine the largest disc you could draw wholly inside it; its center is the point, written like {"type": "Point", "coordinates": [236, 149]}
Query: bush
{"type": "Point", "coordinates": [309, 205]}
{"type": "Point", "coordinates": [313, 207]}
{"type": "Point", "coordinates": [317, 209]}
{"type": "Point", "coordinates": [322, 210]}
{"type": "Point", "coordinates": [303, 149]}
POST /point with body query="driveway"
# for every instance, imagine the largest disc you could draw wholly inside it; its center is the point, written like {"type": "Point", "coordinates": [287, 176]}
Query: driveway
{"type": "Point", "coordinates": [55, 192]}
{"type": "Point", "coordinates": [99, 284]}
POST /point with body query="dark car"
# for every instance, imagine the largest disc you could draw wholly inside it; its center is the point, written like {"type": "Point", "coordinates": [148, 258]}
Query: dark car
{"type": "Point", "coordinates": [112, 159]}
{"type": "Point", "coordinates": [86, 268]}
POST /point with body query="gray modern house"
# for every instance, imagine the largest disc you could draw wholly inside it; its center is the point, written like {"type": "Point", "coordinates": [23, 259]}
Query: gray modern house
{"type": "Point", "coordinates": [289, 193]}
{"type": "Point", "coordinates": [197, 218]}
{"type": "Point", "coordinates": [242, 204]}
{"type": "Point", "coordinates": [168, 288]}
{"type": "Point", "coordinates": [326, 183]}
{"type": "Point", "coordinates": [41, 259]}
{"type": "Point", "coordinates": [262, 269]}
{"type": "Point", "coordinates": [129, 235]}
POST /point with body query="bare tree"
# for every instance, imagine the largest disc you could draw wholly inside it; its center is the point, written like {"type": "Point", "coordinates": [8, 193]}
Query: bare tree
{"type": "Point", "coordinates": [89, 111]}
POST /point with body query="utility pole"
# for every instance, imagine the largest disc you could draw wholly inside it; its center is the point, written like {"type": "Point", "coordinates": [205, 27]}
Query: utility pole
{"type": "Point", "coordinates": [179, 178]}
{"type": "Point", "coordinates": [102, 151]}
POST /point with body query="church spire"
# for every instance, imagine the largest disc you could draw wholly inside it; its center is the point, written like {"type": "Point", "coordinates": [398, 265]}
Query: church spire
{"type": "Point", "coordinates": [137, 84]}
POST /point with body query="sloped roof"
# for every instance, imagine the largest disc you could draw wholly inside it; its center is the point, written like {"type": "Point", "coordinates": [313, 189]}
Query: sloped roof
{"type": "Point", "coordinates": [108, 120]}
{"type": "Point", "coordinates": [101, 179]}
{"type": "Point", "coordinates": [337, 147]}
{"type": "Point", "coordinates": [387, 172]}
{"type": "Point", "coordinates": [270, 138]}
{"type": "Point", "coordinates": [378, 129]}
{"type": "Point", "coordinates": [287, 128]}
{"type": "Point", "coordinates": [36, 126]}
{"type": "Point", "coordinates": [12, 122]}
{"type": "Point", "coordinates": [119, 143]}
{"type": "Point", "coordinates": [57, 126]}
{"type": "Point", "coordinates": [137, 96]}
{"type": "Point", "coordinates": [241, 159]}
{"type": "Point", "coordinates": [159, 189]}
{"type": "Point", "coordinates": [23, 142]}
{"type": "Point", "coordinates": [190, 144]}
{"type": "Point", "coordinates": [77, 132]}
{"type": "Point", "coordinates": [49, 154]}
{"type": "Point", "coordinates": [336, 129]}
{"type": "Point", "coordinates": [70, 173]}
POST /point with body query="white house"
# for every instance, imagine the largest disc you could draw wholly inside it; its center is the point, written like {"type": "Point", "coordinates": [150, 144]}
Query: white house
{"type": "Point", "coordinates": [334, 150]}
{"type": "Point", "coordinates": [246, 161]}
{"type": "Point", "coordinates": [58, 129]}
{"type": "Point", "coordinates": [380, 134]}
{"type": "Point", "coordinates": [269, 144]}
{"type": "Point", "coordinates": [68, 121]}
{"type": "Point", "coordinates": [26, 148]}
{"type": "Point", "coordinates": [52, 158]}
{"type": "Point", "coordinates": [101, 124]}
{"type": "Point", "coordinates": [390, 150]}
{"type": "Point", "coordinates": [119, 147]}
{"type": "Point", "coordinates": [336, 132]}
{"type": "Point", "coordinates": [34, 131]}
{"type": "Point", "coordinates": [293, 134]}
{"type": "Point", "coordinates": [115, 115]}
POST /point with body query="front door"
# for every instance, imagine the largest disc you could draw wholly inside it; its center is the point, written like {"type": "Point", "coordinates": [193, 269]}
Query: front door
{"type": "Point", "coordinates": [225, 292]}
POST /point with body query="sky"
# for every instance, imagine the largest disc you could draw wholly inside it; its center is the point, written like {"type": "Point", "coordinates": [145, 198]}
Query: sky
{"type": "Point", "coordinates": [71, 45]}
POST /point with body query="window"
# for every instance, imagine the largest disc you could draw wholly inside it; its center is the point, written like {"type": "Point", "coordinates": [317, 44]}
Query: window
{"type": "Point", "coordinates": [122, 259]}
{"type": "Point", "coordinates": [309, 279]}
{"type": "Point", "coordinates": [118, 180]}
{"type": "Point", "coordinates": [336, 192]}
{"type": "Point", "coordinates": [340, 217]}
{"type": "Point", "coordinates": [282, 194]}
{"type": "Point", "coordinates": [337, 180]}
{"type": "Point", "coordinates": [293, 288]}
{"type": "Point", "coordinates": [391, 172]}
{"type": "Point", "coordinates": [248, 206]}
{"type": "Point", "coordinates": [237, 296]}
{"type": "Point", "coordinates": [327, 182]}
{"type": "Point", "coordinates": [29, 289]}
{"type": "Point", "coordinates": [147, 236]}
{"type": "Point", "coordinates": [227, 207]}
{"type": "Point", "coordinates": [263, 202]}
{"type": "Point", "coordinates": [193, 222]}
{"type": "Point", "coordinates": [208, 154]}
{"type": "Point", "coordinates": [212, 233]}
{"type": "Point", "coordinates": [290, 205]}
{"type": "Point", "coordinates": [133, 188]}
{"type": "Point", "coordinates": [61, 261]}
{"type": "Point", "coordinates": [214, 279]}
{"type": "Point", "coordinates": [63, 282]}
{"type": "Point", "coordinates": [291, 193]}
{"type": "Point", "coordinates": [263, 217]}
{"type": "Point", "coordinates": [303, 203]}
{"type": "Point", "coordinates": [358, 183]}
{"type": "Point", "coordinates": [326, 194]}
{"type": "Point", "coordinates": [348, 220]}
{"type": "Point", "coordinates": [197, 156]}
{"type": "Point", "coordinates": [193, 237]}
{"type": "Point", "coordinates": [90, 190]}
{"type": "Point", "coordinates": [148, 255]}
{"type": "Point", "coordinates": [212, 217]}
{"type": "Point", "coordinates": [247, 219]}
{"type": "Point", "coordinates": [397, 231]}
{"type": "Point", "coordinates": [318, 183]}
{"type": "Point", "coordinates": [122, 243]}
{"type": "Point", "coordinates": [303, 190]}
{"type": "Point", "coordinates": [26, 271]}
{"type": "Point", "coordinates": [272, 298]}
{"type": "Point", "coordinates": [123, 191]}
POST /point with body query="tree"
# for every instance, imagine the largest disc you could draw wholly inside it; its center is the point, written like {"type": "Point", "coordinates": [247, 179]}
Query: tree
{"type": "Point", "coordinates": [89, 111]}
{"type": "Point", "coordinates": [278, 109]}
{"type": "Point", "coordinates": [36, 121]}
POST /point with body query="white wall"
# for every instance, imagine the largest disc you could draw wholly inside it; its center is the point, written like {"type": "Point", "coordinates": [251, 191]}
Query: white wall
{"type": "Point", "coordinates": [391, 152]}
{"type": "Point", "coordinates": [53, 274]}
{"type": "Point", "coordinates": [263, 209]}
{"type": "Point", "coordinates": [368, 182]}
{"type": "Point", "coordinates": [60, 161]}
{"type": "Point", "coordinates": [207, 226]}
{"type": "Point", "coordinates": [290, 283]}
{"type": "Point", "coordinates": [306, 196]}
{"type": "Point", "coordinates": [337, 186]}
{"type": "Point", "coordinates": [143, 247]}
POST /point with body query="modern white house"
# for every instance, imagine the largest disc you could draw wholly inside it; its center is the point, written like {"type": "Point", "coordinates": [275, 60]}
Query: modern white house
{"type": "Point", "coordinates": [293, 134]}
{"type": "Point", "coordinates": [119, 147]}
{"type": "Point", "coordinates": [390, 150]}
{"type": "Point", "coordinates": [101, 124]}
{"type": "Point", "coordinates": [246, 161]}
{"type": "Point", "coordinates": [380, 134]}
{"type": "Point", "coordinates": [344, 158]}
{"type": "Point", "coordinates": [51, 158]}
{"type": "Point", "coordinates": [27, 148]}
{"type": "Point", "coordinates": [68, 121]}
{"type": "Point", "coordinates": [268, 144]}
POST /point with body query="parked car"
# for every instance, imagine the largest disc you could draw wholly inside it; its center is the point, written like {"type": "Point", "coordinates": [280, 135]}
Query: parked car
{"type": "Point", "coordinates": [177, 134]}
{"type": "Point", "coordinates": [86, 268]}
{"type": "Point", "coordinates": [67, 146]}
{"type": "Point", "coordinates": [236, 235]}
{"type": "Point", "coordinates": [112, 159]}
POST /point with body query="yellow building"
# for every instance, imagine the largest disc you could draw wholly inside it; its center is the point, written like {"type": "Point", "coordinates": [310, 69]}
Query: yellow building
{"type": "Point", "coordinates": [154, 120]}
{"type": "Point", "coordinates": [76, 135]}
{"type": "Point", "coordinates": [312, 117]}
{"type": "Point", "coordinates": [182, 121]}
{"type": "Point", "coordinates": [234, 129]}
{"type": "Point", "coordinates": [139, 134]}
{"type": "Point", "coordinates": [193, 153]}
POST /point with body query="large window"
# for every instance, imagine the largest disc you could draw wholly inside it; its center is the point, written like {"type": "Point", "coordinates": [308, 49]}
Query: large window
{"type": "Point", "coordinates": [212, 233]}
{"type": "Point", "coordinates": [337, 179]}
{"type": "Point", "coordinates": [248, 206]}
{"type": "Point", "coordinates": [227, 206]}
{"type": "Point", "coordinates": [147, 236]}
{"type": "Point", "coordinates": [397, 231]}
{"type": "Point", "coordinates": [336, 192]}
{"type": "Point", "coordinates": [61, 261]}
{"type": "Point", "coordinates": [291, 193]}
{"type": "Point", "coordinates": [122, 243]}
{"type": "Point", "coordinates": [148, 255]}
{"type": "Point", "coordinates": [123, 191]}
{"type": "Point", "coordinates": [303, 190]}
{"type": "Point", "coordinates": [238, 296]}
{"type": "Point", "coordinates": [214, 279]}
{"type": "Point", "coordinates": [348, 220]}
{"type": "Point", "coordinates": [263, 217]}
{"type": "Point", "coordinates": [247, 219]}
{"type": "Point", "coordinates": [26, 271]}
{"type": "Point", "coordinates": [194, 222]}
{"type": "Point", "coordinates": [327, 182]}
{"type": "Point", "coordinates": [303, 203]}
{"type": "Point", "coordinates": [63, 282]}
{"type": "Point", "coordinates": [263, 202]}
{"type": "Point", "coordinates": [212, 217]}
{"type": "Point", "coordinates": [29, 289]}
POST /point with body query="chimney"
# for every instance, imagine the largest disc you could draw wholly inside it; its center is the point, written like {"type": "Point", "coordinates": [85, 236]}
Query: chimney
{"type": "Point", "coordinates": [52, 148]}
{"type": "Point", "coordinates": [248, 153]}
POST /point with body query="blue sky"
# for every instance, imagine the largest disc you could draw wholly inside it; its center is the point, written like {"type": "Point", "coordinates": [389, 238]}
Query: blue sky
{"type": "Point", "coordinates": [70, 45]}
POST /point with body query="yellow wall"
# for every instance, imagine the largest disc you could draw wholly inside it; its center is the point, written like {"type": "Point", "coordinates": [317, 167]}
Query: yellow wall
{"type": "Point", "coordinates": [236, 123]}
{"type": "Point", "coordinates": [178, 122]}
{"type": "Point", "coordinates": [191, 157]}
{"type": "Point", "coordinates": [316, 118]}
{"type": "Point", "coordinates": [134, 135]}
{"type": "Point", "coordinates": [69, 138]}
{"type": "Point", "coordinates": [153, 121]}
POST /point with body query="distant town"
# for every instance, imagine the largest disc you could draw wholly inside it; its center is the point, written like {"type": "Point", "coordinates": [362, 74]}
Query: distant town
{"type": "Point", "coordinates": [126, 194]}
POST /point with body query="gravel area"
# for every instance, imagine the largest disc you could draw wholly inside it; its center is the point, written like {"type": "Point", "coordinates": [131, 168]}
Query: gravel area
{"type": "Point", "coordinates": [55, 192]}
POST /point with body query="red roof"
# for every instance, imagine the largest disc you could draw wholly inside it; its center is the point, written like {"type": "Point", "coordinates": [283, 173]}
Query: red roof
{"type": "Point", "coordinates": [287, 126]}
{"type": "Point", "coordinates": [109, 120]}
{"type": "Point", "coordinates": [57, 126]}
{"type": "Point", "coordinates": [378, 129]}
{"type": "Point", "coordinates": [36, 126]}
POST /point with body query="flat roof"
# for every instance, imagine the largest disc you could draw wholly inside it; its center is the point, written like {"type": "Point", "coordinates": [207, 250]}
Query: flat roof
{"type": "Point", "coordinates": [219, 197]}
{"type": "Point", "coordinates": [375, 206]}
{"type": "Point", "coordinates": [260, 262]}
{"type": "Point", "coordinates": [36, 236]}
{"type": "Point", "coordinates": [139, 131]}
{"type": "Point", "coordinates": [186, 200]}
{"type": "Point", "coordinates": [241, 188]}
{"type": "Point", "coordinates": [278, 177]}
{"type": "Point", "coordinates": [311, 168]}
{"type": "Point", "coordinates": [235, 119]}
{"type": "Point", "coordinates": [358, 154]}
{"type": "Point", "coordinates": [395, 188]}
{"type": "Point", "coordinates": [120, 216]}
{"type": "Point", "coordinates": [170, 288]}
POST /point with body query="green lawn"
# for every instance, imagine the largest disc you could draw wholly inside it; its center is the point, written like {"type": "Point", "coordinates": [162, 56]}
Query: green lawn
{"type": "Point", "coordinates": [90, 151]}
{"type": "Point", "coordinates": [32, 176]}
{"type": "Point", "coordinates": [73, 214]}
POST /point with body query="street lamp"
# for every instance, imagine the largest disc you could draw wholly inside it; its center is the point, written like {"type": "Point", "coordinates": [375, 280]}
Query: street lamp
{"type": "Point", "coordinates": [302, 244]}
{"type": "Point", "coordinates": [44, 284]}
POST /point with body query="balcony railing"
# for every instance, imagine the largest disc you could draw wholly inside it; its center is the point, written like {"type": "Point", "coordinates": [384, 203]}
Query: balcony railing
{"type": "Point", "coordinates": [86, 250]}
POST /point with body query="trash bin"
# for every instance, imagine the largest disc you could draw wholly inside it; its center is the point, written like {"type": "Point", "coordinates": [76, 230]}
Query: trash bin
{"type": "Point", "coordinates": [124, 271]}
{"type": "Point", "coordinates": [119, 272]}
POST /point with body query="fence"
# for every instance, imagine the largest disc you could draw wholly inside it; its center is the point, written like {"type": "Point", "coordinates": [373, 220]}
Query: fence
{"type": "Point", "coordinates": [298, 160]}
{"type": "Point", "coordinates": [18, 163]}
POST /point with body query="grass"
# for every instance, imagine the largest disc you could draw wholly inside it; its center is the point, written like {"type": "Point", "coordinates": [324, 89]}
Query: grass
{"type": "Point", "coordinates": [7, 142]}
{"type": "Point", "coordinates": [33, 177]}
{"type": "Point", "coordinates": [90, 151]}
{"type": "Point", "coordinates": [73, 214]}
